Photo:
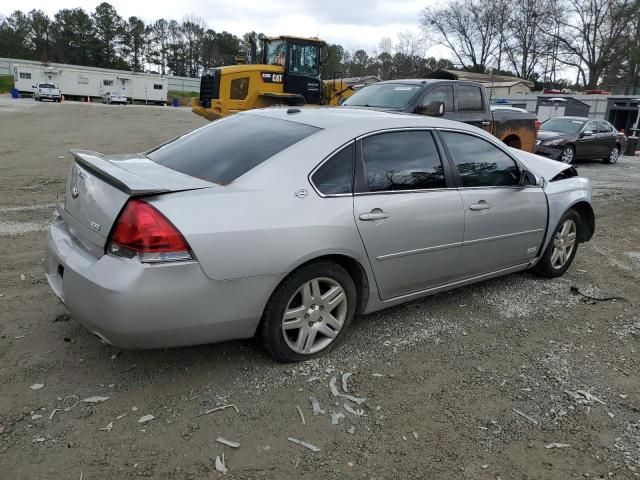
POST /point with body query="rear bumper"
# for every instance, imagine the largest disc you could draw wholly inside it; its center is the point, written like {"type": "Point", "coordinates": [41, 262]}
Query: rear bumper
{"type": "Point", "coordinates": [132, 305]}
{"type": "Point", "coordinates": [550, 152]}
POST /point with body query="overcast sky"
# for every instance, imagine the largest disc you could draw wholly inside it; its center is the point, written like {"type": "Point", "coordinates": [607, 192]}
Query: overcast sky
{"type": "Point", "coordinates": [352, 23]}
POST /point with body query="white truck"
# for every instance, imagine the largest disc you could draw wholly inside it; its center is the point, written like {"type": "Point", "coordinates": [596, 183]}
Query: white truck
{"type": "Point", "coordinates": [46, 90]}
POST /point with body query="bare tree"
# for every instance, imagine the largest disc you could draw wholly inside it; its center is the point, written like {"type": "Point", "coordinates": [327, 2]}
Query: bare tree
{"type": "Point", "coordinates": [589, 38]}
{"type": "Point", "coordinates": [467, 28]}
{"type": "Point", "coordinates": [528, 42]}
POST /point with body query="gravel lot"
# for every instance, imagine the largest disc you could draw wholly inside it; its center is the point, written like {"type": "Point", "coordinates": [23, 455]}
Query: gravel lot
{"type": "Point", "coordinates": [471, 384]}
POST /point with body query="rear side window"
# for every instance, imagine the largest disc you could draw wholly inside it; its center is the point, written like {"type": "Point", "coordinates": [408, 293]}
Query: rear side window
{"type": "Point", "coordinates": [335, 176]}
{"type": "Point", "coordinates": [402, 161]}
{"type": "Point", "coordinates": [469, 99]}
{"type": "Point", "coordinates": [479, 163]}
{"type": "Point", "coordinates": [226, 149]}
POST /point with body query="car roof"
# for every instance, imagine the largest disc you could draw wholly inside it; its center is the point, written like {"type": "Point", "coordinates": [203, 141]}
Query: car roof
{"type": "Point", "coordinates": [357, 120]}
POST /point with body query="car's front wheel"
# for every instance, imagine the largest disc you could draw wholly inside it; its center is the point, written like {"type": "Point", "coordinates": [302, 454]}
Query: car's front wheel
{"type": "Point", "coordinates": [309, 312]}
{"type": "Point", "coordinates": [613, 155]}
{"type": "Point", "coordinates": [568, 154]}
{"type": "Point", "coordinates": [562, 248]}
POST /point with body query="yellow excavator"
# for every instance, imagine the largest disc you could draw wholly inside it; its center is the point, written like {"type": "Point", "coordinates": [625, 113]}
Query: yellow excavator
{"type": "Point", "coordinates": [290, 74]}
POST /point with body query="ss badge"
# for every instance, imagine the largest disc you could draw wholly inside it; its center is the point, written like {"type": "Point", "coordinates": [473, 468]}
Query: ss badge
{"type": "Point", "coordinates": [95, 226]}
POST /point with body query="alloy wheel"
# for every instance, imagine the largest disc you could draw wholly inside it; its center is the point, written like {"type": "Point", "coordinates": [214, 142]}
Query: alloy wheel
{"type": "Point", "coordinates": [613, 156]}
{"type": "Point", "coordinates": [314, 316]}
{"type": "Point", "coordinates": [563, 244]}
{"type": "Point", "coordinates": [567, 155]}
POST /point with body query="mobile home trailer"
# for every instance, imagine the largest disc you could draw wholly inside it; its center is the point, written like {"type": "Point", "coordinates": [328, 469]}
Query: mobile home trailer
{"type": "Point", "coordinates": [79, 82]}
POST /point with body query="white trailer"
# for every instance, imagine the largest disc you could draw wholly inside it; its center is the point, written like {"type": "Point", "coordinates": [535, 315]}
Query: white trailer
{"type": "Point", "coordinates": [78, 82]}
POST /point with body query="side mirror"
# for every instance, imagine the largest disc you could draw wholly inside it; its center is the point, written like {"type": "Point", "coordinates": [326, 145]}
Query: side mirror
{"type": "Point", "coordinates": [433, 109]}
{"type": "Point", "coordinates": [586, 133]}
{"type": "Point", "coordinates": [529, 179]}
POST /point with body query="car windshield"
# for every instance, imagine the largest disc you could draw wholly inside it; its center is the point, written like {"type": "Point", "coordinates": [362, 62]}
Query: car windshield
{"type": "Point", "coordinates": [115, 93]}
{"type": "Point", "coordinates": [226, 149]}
{"type": "Point", "coordinates": [384, 95]}
{"type": "Point", "coordinates": [47, 85]}
{"type": "Point", "coordinates": [563, 125]}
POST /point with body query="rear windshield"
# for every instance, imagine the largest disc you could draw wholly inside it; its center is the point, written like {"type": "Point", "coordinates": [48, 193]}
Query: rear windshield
{"type": "Point", "coordinates": [226, 149]}
{"type": "Point", "coordinates": [47, 85]}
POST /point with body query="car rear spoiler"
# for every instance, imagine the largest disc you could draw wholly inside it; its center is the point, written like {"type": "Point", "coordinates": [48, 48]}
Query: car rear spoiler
{"type": "Point", "coordinates": [120, 178]}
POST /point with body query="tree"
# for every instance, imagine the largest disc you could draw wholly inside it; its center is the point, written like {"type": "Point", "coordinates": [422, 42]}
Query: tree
{"type": "Point", "coordinates": [160, 38]}
{"type": "Point", "coordinates": [193, 30]}
{"type": "Point", "coordinates": [14, 36]}
{"type": "Point", "coordinates": [589, 38]}
{"type": "Point", "coordinates": [40, 40]}
{"type": "Point", "coordinates": [72, 37]}
{"type": "Point", "coordinates": [134, 41]}
{"type": "Point", "coordinates": [108, 28]}
{"type": "Point", "coordinates": [527, 39]}
{"type": "Point", "coordinates": [468, 28]}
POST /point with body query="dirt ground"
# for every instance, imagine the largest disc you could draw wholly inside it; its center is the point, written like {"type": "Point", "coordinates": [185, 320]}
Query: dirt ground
{"type": "Point", "coordinates": [478, 383]}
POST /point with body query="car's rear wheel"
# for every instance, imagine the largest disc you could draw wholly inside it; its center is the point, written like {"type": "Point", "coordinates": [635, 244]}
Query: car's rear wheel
{"type": "Point", "coordinates": [562, 248]}
{"type": "Point", "coordinates": [568, 154]}
{"type": "Point", "coordinates": [613, 155]}
{"type": "Point", "coordinates": [309, 312]}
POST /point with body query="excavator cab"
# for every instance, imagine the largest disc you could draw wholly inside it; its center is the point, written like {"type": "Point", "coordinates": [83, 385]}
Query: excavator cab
{"type": "Point", "coordinates": [301, 60]}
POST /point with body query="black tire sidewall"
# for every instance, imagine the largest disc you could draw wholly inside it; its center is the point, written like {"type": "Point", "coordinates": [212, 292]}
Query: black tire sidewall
{"type": "Point", "coordinates": [544, 266]}
{"type": "Point", "coordinates": [271, 323]}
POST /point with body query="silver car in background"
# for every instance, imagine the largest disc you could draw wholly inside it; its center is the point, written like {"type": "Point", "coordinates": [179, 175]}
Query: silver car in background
{"type": "Point", "coordinates": [114, 97]}
{"type": "Point", "coordinates": [285, 223]}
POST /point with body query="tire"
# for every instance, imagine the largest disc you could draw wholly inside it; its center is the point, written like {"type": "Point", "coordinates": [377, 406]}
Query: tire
{"type": "Point", "coordinates": [613, 156]}
{"type": "Point", "coordinates": [308, 316]}
{"type": "Point", "coordinates": [568, 154]}
{"type": "Point", "coordinates": [550, 266]}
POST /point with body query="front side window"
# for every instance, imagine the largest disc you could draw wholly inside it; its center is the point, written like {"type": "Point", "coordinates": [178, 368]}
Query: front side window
{"type": "Point", "coordinates": [303, 59]}
{"type": "Point", "coordinates": [402, 161]}
{"type": "Point", "coordinates": [480, 163]}
{"type": "Point", "coordinates": [469, 99]}
{"type": "Point", "coordinates": [239, 88]}
{"type": "Point", "coordinates": [225, 149]}
{"type": "Point", "coordinates": [335, 176]}
{"type": "Point", "coordinates": [442, 93]}
{"type": "Point", "coordinates": [276, 52]}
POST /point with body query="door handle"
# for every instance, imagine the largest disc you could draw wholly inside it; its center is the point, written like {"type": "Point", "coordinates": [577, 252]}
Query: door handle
{"type": "Point", "coordinates": [375, 214]}
{"type": "Point", "coordinates": [481, 205]}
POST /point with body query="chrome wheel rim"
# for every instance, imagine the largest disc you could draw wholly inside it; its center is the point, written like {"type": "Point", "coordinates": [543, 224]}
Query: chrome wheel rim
{"type": "Point", "coordinates": [613, 156]}
{"type": "Point", "coordinates": [563, 244]}
{"type": "Point", "coordinates": [314, 316]}
{"type": "Point", "coordinates": [567, 155]}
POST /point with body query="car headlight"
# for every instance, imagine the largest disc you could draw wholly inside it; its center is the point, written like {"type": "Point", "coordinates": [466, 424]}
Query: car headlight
{"type": "Point", "coordinates": [553, 143]}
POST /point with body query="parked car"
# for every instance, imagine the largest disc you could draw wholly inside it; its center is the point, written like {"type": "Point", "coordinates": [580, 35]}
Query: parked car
{"type": "Point", "coordinates": [285, 223]}
{"type": "Point", "coordinates": [46, 91]}
{"type": "Point", "coordinates": [569, 138]}
{"type": "Point", "coordinates": [114, 97]}
{"type": "Point", "coordinates": [452, 99]}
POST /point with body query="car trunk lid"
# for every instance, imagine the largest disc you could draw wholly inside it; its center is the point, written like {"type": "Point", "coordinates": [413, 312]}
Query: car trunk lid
{"type": "Point", "coordinates": [99, 186]}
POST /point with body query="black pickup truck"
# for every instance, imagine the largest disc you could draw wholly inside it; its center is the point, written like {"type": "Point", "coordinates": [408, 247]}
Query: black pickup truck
{"type": "Point", "coordinates": [452, 99]}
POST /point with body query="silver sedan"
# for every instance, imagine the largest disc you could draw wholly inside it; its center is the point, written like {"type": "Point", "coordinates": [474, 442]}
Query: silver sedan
{"type": "Point", "coordinates": [285, 223]}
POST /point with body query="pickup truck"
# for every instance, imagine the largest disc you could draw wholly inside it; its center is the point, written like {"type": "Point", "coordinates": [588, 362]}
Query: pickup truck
{"type": "Point", "coordinates": [452, 99]}
{"type": "Point", "coordinates": [46, 90]}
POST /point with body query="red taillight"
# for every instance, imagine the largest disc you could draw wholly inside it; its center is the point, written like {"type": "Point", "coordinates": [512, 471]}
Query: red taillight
{"type": "Point", "coordinates": [142, 231]}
